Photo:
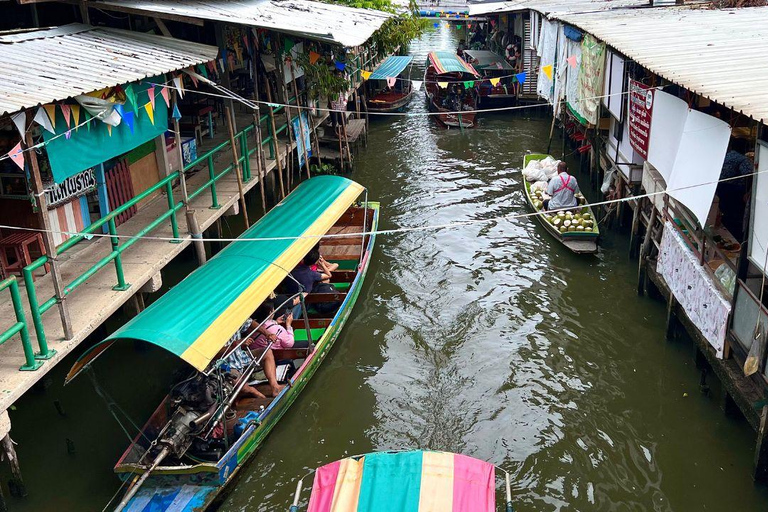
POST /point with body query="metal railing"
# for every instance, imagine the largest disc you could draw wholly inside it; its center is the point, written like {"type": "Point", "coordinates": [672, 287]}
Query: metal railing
{"type": "Point", "coordinates": [37, 309]}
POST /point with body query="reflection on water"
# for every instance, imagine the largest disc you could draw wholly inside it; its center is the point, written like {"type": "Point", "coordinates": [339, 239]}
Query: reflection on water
{"type": "Point", "coordinates": [487, 339]}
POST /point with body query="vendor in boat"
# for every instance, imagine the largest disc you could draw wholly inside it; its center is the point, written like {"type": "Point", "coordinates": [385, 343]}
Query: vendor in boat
{"type": "Point", "coordinates": [562, 190]}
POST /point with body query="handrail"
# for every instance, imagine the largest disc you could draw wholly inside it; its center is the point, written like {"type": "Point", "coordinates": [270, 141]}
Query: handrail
{"type": "Point", "coordinates": [20, 326]}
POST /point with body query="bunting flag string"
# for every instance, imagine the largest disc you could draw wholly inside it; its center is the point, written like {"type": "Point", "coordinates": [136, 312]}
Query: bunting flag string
{"type": "Point", "coordinates": [66, 112]}
{"type": "Point", "coordinates": [130, 99]}
{"type": "Point", "coordinates": [442, 85]}
{"type": "Point", "coordinates": [50, 110]}
{"type": "Point", "coordinates": [17, 156]}
{"type": "Point", "coordinates": [41, 118]}
{"type": "Point", "coordinates": [521, 77]}
{"type": "Point", "coordinates": [417, 84]}
{"type": "Point", "coordinates": [151, 93]}
{"type": "Point", "coordinates": [495, 81]}
{"type": "Point", "coordinates": [178, 82]}
{"type": "Point", "coordinates": [365, 74]}
{"type": "Point", "coordinates": [166, 94]}
{"type": "Point", "coordinates": [313, 57]}
{"type": "Point", "coordinates": [176, 114]}
{"type": "Point", "coordinates": [128, 118]}
{"type": "Point", "coordinates": [469, 84]}
{"type": "Point", "coordinates": [150, 112]}
{"type": "Point", "coordinates": [340, 65]}
{"type": "Point", "coordinates": [68, 134]}
{"type": "Point", "coordinates": [547, 70]}
{"type": "Point", "coordinates": [76, 115]}
{"type": "Point", "coordinates": [20, 120]}
{"type": "Point", "coordinates": [391, 80]}
{"type": "Point", "coordinates": [572, 61]}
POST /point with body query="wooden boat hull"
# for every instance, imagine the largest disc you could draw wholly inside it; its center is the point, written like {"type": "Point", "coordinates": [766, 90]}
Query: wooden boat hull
{"type": "Point", "coordinates": [578, 242]}
{"type": "Point", "coordinates": [383, 103]}
{"type": "Point", "coordinates": [463, 120]}
{"type": "Point", "coordinates": [193, 488]}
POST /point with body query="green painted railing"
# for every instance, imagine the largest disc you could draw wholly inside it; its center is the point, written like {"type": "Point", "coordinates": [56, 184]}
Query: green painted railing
{"type": "Point", "coordinates": [117, 249]}
{"type": "Point", "coordinates": [20, 327]}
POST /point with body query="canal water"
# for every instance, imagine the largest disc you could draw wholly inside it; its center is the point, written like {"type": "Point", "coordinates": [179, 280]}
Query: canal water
{"type": "Point", "coordinates": [487, 339]}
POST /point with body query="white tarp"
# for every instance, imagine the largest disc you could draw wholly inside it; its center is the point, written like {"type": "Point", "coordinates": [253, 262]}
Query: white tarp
{"type": "Point", "coordinates": [560, 70]}
{"type": "Point", "coordinates": [699, 162]}
{"type": "Point", "coordinates": [573, 49]}
{"type": "Point", "coordinates": [758, 242]}
{"type": "Point", "coordinates": [667, 123]}
{"type": "Point", "coordinates": [614, 85]}
{"type": "Point", "coordinates": [546, 51]}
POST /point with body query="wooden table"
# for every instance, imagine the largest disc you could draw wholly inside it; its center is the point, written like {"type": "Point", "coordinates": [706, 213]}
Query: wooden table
{"type": "Point", "coordinates": [20, 244]}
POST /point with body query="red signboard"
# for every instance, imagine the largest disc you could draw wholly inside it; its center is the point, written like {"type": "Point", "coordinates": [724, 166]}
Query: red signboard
{"type": "Point", "coordinates": [640, 109]}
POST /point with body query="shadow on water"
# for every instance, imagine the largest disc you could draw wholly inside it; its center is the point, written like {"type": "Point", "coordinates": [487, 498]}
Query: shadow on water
{"type": "Point", "coordinates": [486, 338]}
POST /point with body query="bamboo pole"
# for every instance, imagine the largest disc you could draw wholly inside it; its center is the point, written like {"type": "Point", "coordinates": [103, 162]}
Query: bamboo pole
{"type": "Point", "coordinates": [236, 164]}
{"type": "Point", "coordinates": [275, 140]}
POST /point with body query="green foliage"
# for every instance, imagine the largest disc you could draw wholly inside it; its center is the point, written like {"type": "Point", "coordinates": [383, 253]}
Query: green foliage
{"type": "Point", "coordinates": [397, 32]}
{"type": "Point", "coordinates": [323, 170]}
{"type": "Point", "coordinates": [322, 80]}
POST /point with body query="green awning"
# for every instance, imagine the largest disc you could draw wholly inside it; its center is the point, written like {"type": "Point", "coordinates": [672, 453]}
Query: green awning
{"type": "Point", "coordinates": [195, 318]}
{"type": "Point", "coordinates": [391, 67]}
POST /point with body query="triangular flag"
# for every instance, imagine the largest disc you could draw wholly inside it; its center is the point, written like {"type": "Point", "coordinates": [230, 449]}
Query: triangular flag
{"type": "Point", "coordinates": [43, 120]}
{"type": "Point", "coordinates": [442, 85]}
{"type": "Point", "coordinates": [177, 82]}
{"type": "Point", "coordinates": [469, 84]}
{"type": "Point", "coordinates": [109, 129]}
{"type": "Point", "coordinates": [128, 118]}
{"type": "Point", "coordinates": [495, 81]}
{"type": "Point", "coordinates": [203, 70]}
{"type": "Point", "coordinates": [176, 114]}
{"type": "Point", "coordinates": [221, 65]}
{"type": "Point", "coordinates": [68, 134]}
{"type": "Point", "coordinates": [75, 115]}
{"type": "Point", "coordinates": [365, 74]}
{"type": "Point", "coordinates": [119, 109]}
{"type": "Point", "coordinates": [521, 77]}
{"type": "Point", "coordinates": [166, 94]}
{"type": "Point", "coordinates": [340, 65]}
{"type": "Point", "coordinates": [67, 112]}
{"type": "Point", "coordinates": [151, 93]}
{"type": "Point", "coordinates": [458, 27]}
{"type": "Point", "coordinates": [130, 99]}
{"type": "Point", "coordinates": [313, 56]}
{"type": "Point", "coordinates": [17, 156]}
{"type": "Point", "coordinates": [499, 65]}
{"type": "Point", "coordinates": [572, 61]}
{"type": "Point", "coordinates": [417, 84]}
{"type": "Point", "coordinates": [391, 80]}
{"type": "Point", "coordinates": [193, 77]}
{"type": "Point", "coordinates": [435, 25]}
{"type": "Point", "coordinates": [51, 111]}
{"type": "Point", "coordinates": [547, 70]}
{"type": "Point", "coordinates": [288, 44]}
{"type": "Point", "coordinates": [150, 112]}
{"type": "Point", "coordinates": [20, 120]}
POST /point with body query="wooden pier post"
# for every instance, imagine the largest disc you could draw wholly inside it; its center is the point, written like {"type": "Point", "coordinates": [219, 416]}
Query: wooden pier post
{"type": "Point", "coordinates": [16, 485]}
{"type": "Point", "coordinates": [236, 164]}
{"type": "Point", "coordinates": [642, 274]}
{"type": "Point", "coordinates": [671, 317]}
{"type": "Point", "coordinates": [197, 237]}
{"type": "Point", "coordinates": [760, 473]}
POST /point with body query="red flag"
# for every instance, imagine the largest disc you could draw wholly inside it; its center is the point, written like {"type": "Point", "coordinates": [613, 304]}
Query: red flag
{"type": "Point", "coordinates": [17, 156]}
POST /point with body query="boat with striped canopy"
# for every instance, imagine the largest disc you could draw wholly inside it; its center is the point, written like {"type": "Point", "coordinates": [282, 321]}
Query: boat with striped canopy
{"type": "Point", "coordinates": [406, 481]}
{"type": "Point", "coordinates": [498, 87]}
{"type": "Point", "coordinates": [449, 85]}
{"type": "Point", "coordinates": [186, 454]}
{"type": "Point", "coordinates": [387, 89]}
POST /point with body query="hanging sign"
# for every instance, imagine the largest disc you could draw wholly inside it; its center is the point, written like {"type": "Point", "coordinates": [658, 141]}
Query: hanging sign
{"type": "Point", "coordinates": [74, 186]}
{"type": "Point", "coordinates": [640, 110]}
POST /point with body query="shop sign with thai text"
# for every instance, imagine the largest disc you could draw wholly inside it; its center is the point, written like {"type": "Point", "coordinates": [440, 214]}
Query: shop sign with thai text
{"type": "Point", "coordinates": [74, 186]}
{"type": "Point", "coordinates": [640, 110]}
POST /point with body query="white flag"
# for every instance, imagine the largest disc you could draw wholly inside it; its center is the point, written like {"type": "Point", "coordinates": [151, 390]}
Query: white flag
{"type": "Point", "coordinates": [20, 120]}
{"type": "Point", "coordinates": [43, 120]}
{"type": "Point", "coordinates": [417, 84]}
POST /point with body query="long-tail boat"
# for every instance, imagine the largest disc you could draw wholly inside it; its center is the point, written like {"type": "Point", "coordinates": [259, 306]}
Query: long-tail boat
{"type": "Point", "coordinates": [408, 481]}
{"type": "Point", "coordinates": [187, 453]}
{"type": "Point", "coordinates": [450, 89]}
{"type": "Point", "coordinates": [501, 92]}
{"type": "Point", "coordinates": [387, 89]}
{"type": "Point", "coordinates": [558, 224]}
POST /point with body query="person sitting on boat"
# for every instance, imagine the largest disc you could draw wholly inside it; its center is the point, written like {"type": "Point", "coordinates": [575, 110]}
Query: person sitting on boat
{"type": "Point", "coordinates": [303, 279]}
{"type": "Point", "coordinates": [240, 359]}
{"type": "Point", "coordinates": [562, 190]}
{"type": "Point", "coordinates": [283, 333]}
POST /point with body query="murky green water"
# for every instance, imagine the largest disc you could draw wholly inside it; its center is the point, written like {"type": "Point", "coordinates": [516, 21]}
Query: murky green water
{"type": "Point", "coordinates": [489, 340]}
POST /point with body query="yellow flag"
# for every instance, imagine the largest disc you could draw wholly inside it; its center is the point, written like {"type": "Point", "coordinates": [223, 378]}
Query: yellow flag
{"type": "Point", "coordinates": [75, 114]}
{"type": "Point", "coordinates": [109, 129]}
{"type": "Point", "coordinates": [51, 111]}
{"type": "Point", "coordinates": [547, 70]}
{"type": "Point", "coordinates": [495, 81]}
{"type": "Point", "coordinates": [365, 74]}
{"type": "Point", "coordinates": [442, 85]}
{"type": "Point", "coordinates": [150, 113]}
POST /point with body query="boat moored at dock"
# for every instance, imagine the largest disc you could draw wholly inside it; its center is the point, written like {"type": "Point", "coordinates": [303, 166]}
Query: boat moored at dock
{"type": "Point", "coordinates": [450, 89]}
{"type": "Point", "coordinates": [498, 87]}
{"type": "Point", "coordinates": [389, 87]}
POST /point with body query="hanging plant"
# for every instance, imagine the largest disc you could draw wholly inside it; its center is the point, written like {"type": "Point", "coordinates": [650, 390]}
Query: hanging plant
{"type": "Point", "coordinates": [321, 77]}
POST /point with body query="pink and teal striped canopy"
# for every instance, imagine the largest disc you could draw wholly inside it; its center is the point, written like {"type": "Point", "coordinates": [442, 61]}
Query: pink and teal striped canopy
{"type": "Point", "coordinates": [405, 482]}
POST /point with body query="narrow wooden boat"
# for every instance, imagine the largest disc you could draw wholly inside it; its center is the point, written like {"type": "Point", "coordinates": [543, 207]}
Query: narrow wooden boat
{"type": "Point", "coordinates": [580, 242]}
{"type": "Point", "coordinates": [186, 454]}
{"type": "Point", "coordinates": [385, 98]}
{"type": "Point", "coordinates": [408, 481]}
{"type": "Point", "coordinates": [446, 85]}
{"type": "Point", "coordinates": [492, 65]}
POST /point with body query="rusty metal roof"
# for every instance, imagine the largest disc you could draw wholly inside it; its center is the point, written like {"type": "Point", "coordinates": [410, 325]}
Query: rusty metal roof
{"type": "Point", "coordinates": [347, 26]}
{"type": "Point", "coordinates": [716, 53]}
{"type": "Point", "coordinates": [42, 66]}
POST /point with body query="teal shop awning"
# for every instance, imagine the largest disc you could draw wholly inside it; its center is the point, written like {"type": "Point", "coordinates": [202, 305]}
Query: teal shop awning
{"type": "Point", "coordinates": [391, 67]}
{"type": "Point", "coordinates": [93, 144]}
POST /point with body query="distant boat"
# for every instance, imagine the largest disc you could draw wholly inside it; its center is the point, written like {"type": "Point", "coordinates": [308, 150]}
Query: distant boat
{"type": "Point", "coordinates": [492, 65]}
{"type": "Point", "coordinates": [579, 241]}
{"type": "Point", "coordinates": [203, 433]}
{"type": "Point", "coordinates": [382, 97]}
{"type": "Point", "coordinates": [407, 481]}
{"type": "Point", "coordinates": [445, 87]}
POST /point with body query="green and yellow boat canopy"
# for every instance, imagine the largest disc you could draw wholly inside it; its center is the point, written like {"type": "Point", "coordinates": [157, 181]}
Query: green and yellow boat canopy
{"type": "Point", "coordinates": [197, 317]}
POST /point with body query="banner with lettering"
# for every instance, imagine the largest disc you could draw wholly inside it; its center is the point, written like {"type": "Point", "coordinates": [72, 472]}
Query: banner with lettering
{"type": "Point", "coordinates": [640, 111]}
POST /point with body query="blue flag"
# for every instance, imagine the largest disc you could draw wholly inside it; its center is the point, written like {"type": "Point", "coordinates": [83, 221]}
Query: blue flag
{"type": "Point", "coordinates": [521, 77]}
{"type": "Point", "coordinates": [340, 65]}
{"type": "Point", "coordinates": [128, 119]}
{"type": "Point", "coordinates": [176, 114]}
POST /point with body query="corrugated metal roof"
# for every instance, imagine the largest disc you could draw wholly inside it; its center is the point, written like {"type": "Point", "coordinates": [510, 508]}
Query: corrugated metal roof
{"type": "Point", "coordinates": [548, 7]}
{"type": "Point", "coordinates": [719, 54]}
{"type": "Point", "coordinates": [47, 65]}
{"type": "Point", "coordinates": [338, 24]}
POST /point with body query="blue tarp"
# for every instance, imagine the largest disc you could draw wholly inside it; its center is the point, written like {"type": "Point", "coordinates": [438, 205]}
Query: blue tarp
{"type": "Point", "coordinates": [391, 67]}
